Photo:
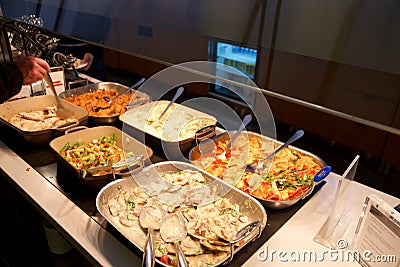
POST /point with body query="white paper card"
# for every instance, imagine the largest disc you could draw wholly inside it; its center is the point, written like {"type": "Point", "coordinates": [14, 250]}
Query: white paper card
{"type": "Point", "coordinates": [58, 78]}
{"type": "Point", "coordinates": [377, 237]}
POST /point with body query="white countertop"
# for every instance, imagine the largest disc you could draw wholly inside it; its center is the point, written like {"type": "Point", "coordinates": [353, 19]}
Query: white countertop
{"type": "Point", "coordinates": [297, 234]}
{"type": "Point", "coordinates": [93, 240]}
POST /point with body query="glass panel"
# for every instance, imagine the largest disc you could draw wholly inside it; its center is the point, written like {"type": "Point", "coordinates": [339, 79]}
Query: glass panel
{"type": "Point", "coordinates": [344, 55]}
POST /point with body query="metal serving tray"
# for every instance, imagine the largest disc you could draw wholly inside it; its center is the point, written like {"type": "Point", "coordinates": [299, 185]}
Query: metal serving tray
{"type": "Point", "coordinates": [42, 137]}
{"type": "Point", "coordinates": [172, 150]}
{"type": "Point", "coordinates": [128, 143]}
{"type": "Point", "coordinates": [136, 235]}
{"type": "Point", "coordinates": [273, 204]}
{"type": "Point", "coordinates": [102, 120]}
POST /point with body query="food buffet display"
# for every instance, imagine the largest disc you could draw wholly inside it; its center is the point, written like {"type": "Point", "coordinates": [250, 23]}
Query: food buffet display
{"type": "Point", "coordinates": [88, 155]}
{"type": "Point", "coordinates": [210, 227]}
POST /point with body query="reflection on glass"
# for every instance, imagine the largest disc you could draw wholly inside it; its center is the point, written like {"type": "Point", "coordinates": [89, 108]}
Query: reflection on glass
{"type": "Point", "coordinates": [342, 55]}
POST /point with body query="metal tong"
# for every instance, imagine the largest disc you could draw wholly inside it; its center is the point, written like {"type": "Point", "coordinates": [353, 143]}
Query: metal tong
{"type": "Point", "coordinates": [133, 163]}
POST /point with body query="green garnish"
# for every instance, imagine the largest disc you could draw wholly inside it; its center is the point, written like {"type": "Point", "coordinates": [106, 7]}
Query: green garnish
{"type": "Point", "coordinates": [308, 181]}
{"type": "Point", "coordinates": [228, 211]}
{"type": "Point", "coordinates": [130, 203]}
{"type": "Point", "coordinates": [284, 184]}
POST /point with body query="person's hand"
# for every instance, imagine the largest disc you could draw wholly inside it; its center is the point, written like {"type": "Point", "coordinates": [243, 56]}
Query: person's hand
{"type": "Point", "coordinates": [32, 68]}
{"type": "Point", "coordinates": [87, 58]}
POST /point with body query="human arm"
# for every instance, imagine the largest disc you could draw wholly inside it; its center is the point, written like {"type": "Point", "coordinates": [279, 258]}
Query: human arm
{"type": "Point", "coordinates": [23, 71]}
{"type": "Point", "coordinates": [33, 69]}
{"type": "Point", "coordinates": [11, 80]}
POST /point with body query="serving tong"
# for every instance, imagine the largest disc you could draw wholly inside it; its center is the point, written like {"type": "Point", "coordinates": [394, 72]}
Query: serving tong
{"type": "Point", "coordinates": [242, 234]}
{"type": "Point", "coordinates": [134, 164]}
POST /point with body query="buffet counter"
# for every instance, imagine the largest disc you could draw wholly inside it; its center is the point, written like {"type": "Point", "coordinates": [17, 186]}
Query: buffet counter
{"type": "Point", "coordinates": [77, 219]}
{"type": "Point", "coordinates": [35, 173]}
{"type": "Point", "coordinates": [297, 234]}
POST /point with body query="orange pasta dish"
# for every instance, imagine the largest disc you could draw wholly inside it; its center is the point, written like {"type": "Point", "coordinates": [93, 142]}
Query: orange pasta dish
{"type": "Point", "coordinates": [288, 176]}
{"type": "Point", "coordinates": [98, 98]}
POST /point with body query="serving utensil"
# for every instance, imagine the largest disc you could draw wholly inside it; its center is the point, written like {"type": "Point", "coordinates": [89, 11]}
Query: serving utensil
{"type": "Point", "coordinates": [173, 230]}
{"type": "Point", "coordinates": [243, 233]}
{"type": "Point", "coordinates": [246, 120]}
{"type": "Point", "coordinates": [259, 167]}
{"type": "Point", "coordinates": [110, 101]}
{"type": "Point", "coordinates": [134, 163]}
{"type": "Point", "coordinates": [137, 103]}
{"type": "Point", "coordinates": [321, 175]}
{"type": "Point", "coordinates": [177, 94]}
{"type": "Point", "coordinates": [150, 218]}
{"type": "Point", "coordinates": [62, 112]}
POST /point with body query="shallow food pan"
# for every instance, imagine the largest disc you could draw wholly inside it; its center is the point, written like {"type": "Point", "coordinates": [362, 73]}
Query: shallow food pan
{"type": "Point", "coordinates": [167, 138]}
{"type": "Point", "coordinates": [41, 137]}
{"type": "Point", "coordinates": [87, 135]}
{"type": "Point", "coordinates": [198, 157]}
{"type": "Point", "coordinates": [103, 120]}
{"type": "Point", "coordinates": [130, 228]}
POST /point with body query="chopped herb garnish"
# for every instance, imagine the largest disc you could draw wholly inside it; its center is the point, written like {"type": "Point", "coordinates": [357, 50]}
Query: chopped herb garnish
{"type": "Point", "coordinates": [130, 203]}
{"type": "Point", "coordinates": [284, 184]}
{"type": "Point", "coordinates": [228, 211]}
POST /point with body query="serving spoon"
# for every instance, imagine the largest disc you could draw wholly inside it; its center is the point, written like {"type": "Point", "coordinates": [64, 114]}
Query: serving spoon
{"type": "Point", "coordinates": [173, 230]}
{"type": "Point", "coordinates": [177, 94]}
{"type": "Point", "coordinates": [62, 112]}
{"type": "Point", "coordinates": [150, 217]}
{"type": "Point", "coordinates": [110, 101]}
{"type": "Point", "coordinates": [257, 167]}
{"type": "Point", "coordinates": [246, 120]}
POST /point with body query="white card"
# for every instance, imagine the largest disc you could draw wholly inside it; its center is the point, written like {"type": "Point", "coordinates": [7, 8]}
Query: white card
{"type": "Point", "coordinates": [58, 78]}
{"type": "Point", "coordinates": [377, 238]}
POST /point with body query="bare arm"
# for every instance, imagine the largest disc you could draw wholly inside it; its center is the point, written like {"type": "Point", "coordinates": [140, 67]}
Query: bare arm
{"type": "Point", "coordinates": [32, 68]}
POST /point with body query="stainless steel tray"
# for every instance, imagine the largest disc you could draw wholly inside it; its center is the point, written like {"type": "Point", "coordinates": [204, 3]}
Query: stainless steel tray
{"type": "Point", "coordinates": [273, 204]}
{"type": "Point", "coordinates": [128, 143]}
{"type": "Point", "coordinates": [135, 234]}
{"type": "Point", "coordinates": [42, 137]}
{"type": "Point", "coordinates": [101, 120]}
{"type": "Point", "coordinates": [172, 149]}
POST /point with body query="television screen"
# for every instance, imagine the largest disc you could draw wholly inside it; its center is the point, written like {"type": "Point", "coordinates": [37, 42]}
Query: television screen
{"type": "Point", "coordinates": [242, 58]}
